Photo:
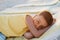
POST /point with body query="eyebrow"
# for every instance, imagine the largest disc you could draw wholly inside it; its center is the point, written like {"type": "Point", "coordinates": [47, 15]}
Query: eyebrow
{"type": "Point", "coordinates": [40, 27]}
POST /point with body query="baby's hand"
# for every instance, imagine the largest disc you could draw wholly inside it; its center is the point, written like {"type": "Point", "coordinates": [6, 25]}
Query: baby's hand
{"type": "Point", "coordinates": [28, 35]}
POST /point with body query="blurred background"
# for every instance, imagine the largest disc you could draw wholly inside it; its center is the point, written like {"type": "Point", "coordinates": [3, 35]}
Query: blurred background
{"type": "Point", "coordinates": [9, 3]}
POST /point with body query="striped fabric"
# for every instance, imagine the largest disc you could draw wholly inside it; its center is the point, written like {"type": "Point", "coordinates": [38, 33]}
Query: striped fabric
{"type": "Point", "coordinates": [17, 38]}
{"type": "Point", "coordinates": [2, 37]}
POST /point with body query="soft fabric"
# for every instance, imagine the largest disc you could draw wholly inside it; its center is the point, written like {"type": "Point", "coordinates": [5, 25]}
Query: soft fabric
{"type": "Point", "coordinates": [2, 36]}
{"type": "Point", "coordinates": [13, 25]}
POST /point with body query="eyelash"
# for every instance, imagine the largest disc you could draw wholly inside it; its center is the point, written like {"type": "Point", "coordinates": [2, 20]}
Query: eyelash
{"type": "Point", "coordinates": [38, 22]}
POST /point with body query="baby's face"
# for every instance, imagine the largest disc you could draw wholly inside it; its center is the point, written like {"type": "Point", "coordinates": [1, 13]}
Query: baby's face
{"type": "Point", "coordinates": [39, 21]}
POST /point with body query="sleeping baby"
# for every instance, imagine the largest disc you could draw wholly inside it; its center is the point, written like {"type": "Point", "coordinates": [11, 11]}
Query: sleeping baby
{"type": "Point", "coordinates": [27, 26]}
{"type": "Point", "coordinates": [38, 24]}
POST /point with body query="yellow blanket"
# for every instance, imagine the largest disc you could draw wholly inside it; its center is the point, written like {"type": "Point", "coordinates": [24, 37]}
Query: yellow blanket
{"type": "Point", "coordinates": [13, 25]}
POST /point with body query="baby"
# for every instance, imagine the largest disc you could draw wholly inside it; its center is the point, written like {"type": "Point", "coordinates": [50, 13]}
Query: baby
{"type": "Point", "coordinates": [38, 24]}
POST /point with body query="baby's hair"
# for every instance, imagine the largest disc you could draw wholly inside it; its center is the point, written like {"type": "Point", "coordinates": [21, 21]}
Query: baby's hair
{"type": "Point", "coordinates": [48, 16]}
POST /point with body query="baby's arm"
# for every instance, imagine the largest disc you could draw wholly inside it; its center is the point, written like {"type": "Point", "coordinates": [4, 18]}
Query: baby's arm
{"type": "Point", "coordinates": [29, 35]}
{"type": "Point", "coordinates": [32, 28]}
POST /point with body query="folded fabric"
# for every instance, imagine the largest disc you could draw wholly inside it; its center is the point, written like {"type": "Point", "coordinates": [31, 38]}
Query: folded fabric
{"type": "Point", "coordinates": [13, 25]}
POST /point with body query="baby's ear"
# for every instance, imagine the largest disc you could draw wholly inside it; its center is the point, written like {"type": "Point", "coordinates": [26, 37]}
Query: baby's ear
{"type": "Point", "coordinates": [54, 20]}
